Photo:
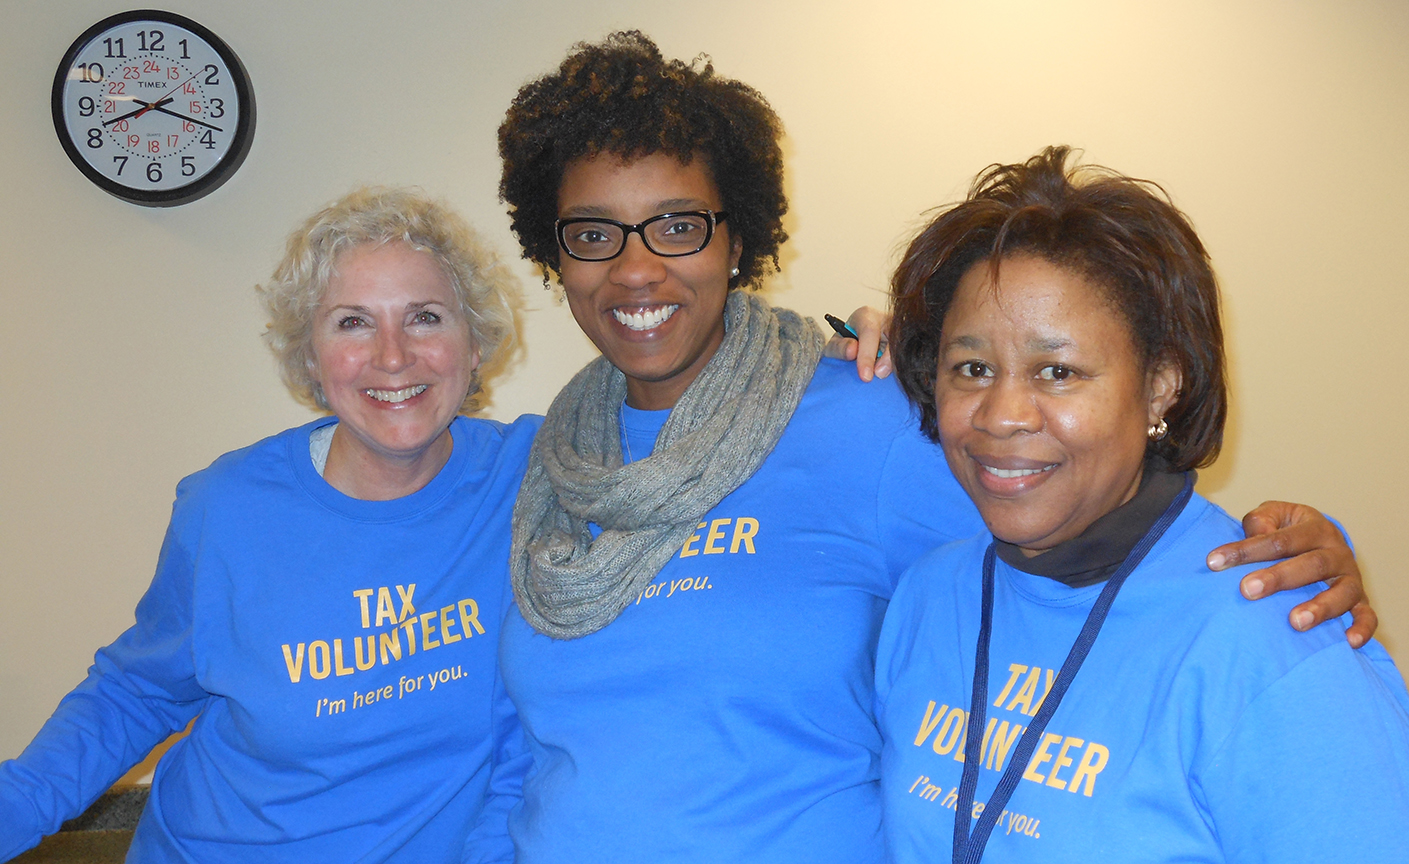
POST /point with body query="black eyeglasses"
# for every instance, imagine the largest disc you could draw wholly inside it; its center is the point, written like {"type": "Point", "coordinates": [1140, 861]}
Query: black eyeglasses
{"type": "Point", "coordinates": [669, 235]}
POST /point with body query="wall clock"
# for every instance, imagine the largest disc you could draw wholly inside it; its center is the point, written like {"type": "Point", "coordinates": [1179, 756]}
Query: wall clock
{"type": "Point", "coordinates": [153, 108]}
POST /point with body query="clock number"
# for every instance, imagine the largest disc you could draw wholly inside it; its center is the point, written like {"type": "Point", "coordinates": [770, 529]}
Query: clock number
{"type": "Point", "coordinates": [188, 166]}
{"type": "Point", "coordinates": [95, 138]}
{"type": "Point", "coordinates": [90, 73]}
{"type": "Point", "coordinates": [195, 106]}
{"type": "Point", "coordinates": [121, 164]}
{"type": "Point", "coordinates": [185, 54]}
{"type": "Point", "coordinates": [154, 172]}
{"type": "Point", "coordinates": [189, 88]}
{"type": "Point", "coordinates": [133, 141]}
{"type": "Point", "coordinates": [151, 67]}
{"type": "Point", "coordinates": [109, 106]}
{"type": "Point", "coordinates": [131, 73]}
{"type": "Point", "coordinates": [172, 139]}
{"type": "Point", "coordinates": [211, 72]}
{"type": "Point", "coordinates": [173, 73]}
{"type": "Point", "coordinates": [208, 140]}
{"type": "Point", "coordinates": [187, 126]}
{"type": "Point", "coordinates": [120, 53]}
{"type": "Point", "coordinates": [217, 108]}
{"type": "Point", "coordinates": [157, 37]}
{"type": "Point", "coordinates": [120, 126]}
{"type": "Point", "coordinates": [86, 106]}
{"type": "Point", "coordinates": [154, 146]}
{"type": "Point", "coordinates": [116, 88]}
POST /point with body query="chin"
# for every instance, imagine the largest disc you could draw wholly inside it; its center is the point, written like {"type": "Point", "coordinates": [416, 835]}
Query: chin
{"type": "Point", "coordinates": [1029, 531]}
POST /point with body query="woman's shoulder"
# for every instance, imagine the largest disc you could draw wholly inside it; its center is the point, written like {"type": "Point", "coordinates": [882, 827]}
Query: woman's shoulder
{"type": "Point", "coordinates": [836, 385]}
{"type": "Point", "coordinates": [1208, 608]}
{"type": "Point", "coordinates": [484, 432]}
{"type": "Point", "coordinates": [254, 463]}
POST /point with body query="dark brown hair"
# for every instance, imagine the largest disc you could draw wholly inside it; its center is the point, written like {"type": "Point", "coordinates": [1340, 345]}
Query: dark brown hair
{"type": "Point", "coordinates": [621, 97]}
{"type": "Point", "coordinates": [1122, 234]}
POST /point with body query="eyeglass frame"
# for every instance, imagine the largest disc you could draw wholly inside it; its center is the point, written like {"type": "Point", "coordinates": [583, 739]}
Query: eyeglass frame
{"type": "Point", "coordinates": [712, 219]}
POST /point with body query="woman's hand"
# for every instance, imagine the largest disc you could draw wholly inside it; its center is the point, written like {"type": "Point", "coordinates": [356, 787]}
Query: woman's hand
{"type": "Point", "coordinates": [870, 325]}
{"type": "Point", "coordinates": [1314, 550]}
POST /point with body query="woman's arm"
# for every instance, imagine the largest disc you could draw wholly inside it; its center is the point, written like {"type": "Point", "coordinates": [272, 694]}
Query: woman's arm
{"type": "Point", "coordinates": [1313, 549]}
{"type": "Point", "coordinates": [139, 690]}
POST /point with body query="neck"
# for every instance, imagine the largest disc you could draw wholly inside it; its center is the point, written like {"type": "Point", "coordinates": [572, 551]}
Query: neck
{"type": "Point", "coordinates": [359, 472]}
{"type": "Point", "coordinates": [658, 395]}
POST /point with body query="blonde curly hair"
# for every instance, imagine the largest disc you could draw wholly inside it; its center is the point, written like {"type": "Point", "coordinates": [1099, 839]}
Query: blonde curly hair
{"type": "Point", "coordinates": [374, 215]}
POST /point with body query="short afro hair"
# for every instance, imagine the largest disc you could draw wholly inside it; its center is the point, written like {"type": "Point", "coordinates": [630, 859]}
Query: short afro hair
{"type": "Point", "coordinates": [1122, 234]}
{"type": "Point", "coordinates": [621, 97]}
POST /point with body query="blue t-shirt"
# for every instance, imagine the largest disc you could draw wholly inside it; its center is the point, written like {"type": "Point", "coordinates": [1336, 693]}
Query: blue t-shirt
{"type": "Point", "coordinates": [1200, 728]}
{"type": "Point", "coordinates": [726, 714]}
{"type": "Point", "coordinates": [340, 655]}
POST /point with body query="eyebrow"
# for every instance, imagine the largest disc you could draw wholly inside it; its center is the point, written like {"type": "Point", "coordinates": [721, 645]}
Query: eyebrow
{"type": "Point", "coordinates": [968, 343]}
{"type": "Point", "coordinates": [1049, 345]}
{"type": "Point", "coordinates": [350, 307]}
{"type": "Point", "coordinates": [1037, 345]}
{"type": "Point", "coordinates": [670, 205]}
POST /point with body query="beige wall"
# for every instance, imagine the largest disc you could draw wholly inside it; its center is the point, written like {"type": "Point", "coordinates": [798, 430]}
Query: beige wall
{"type": "Point", "coordinates": [129, 339]}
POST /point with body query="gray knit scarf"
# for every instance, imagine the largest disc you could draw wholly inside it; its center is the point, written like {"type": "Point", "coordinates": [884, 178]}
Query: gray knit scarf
{"type": "Point", "coordinates": [569, 585]}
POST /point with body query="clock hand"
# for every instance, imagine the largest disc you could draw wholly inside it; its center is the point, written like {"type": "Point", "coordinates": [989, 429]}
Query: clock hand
{"type": "Point", "coordinates": [140, 111]}
{"type": "Point", "coordinates": [157, 107]}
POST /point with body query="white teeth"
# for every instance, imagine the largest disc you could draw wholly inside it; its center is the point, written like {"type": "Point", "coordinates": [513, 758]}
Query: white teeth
{"type": "Point", "coordinates": [396, 395]}
{"type": "Point", "coordinates": [1008, 474]}
{"type": "Point", "coordinates": [645, 320]}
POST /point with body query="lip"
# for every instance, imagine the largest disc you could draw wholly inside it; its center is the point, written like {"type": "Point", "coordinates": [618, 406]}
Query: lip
{"type": "Point", "coordinates": [1035, 472]}
{"type": "Point", "coordinates": [643, 309]}
{"type": "Point", "coordinates": [396, 397]}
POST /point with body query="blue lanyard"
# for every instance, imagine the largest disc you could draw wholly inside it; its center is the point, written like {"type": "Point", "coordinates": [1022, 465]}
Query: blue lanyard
{"type": "Point", "coordinates": [969, 849]}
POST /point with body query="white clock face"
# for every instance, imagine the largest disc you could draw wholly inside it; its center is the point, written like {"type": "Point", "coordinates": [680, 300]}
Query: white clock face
{"type": "Point", "coordinates": [153, 108]}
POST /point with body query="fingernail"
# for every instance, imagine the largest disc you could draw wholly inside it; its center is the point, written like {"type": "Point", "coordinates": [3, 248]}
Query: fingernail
{"type": "Point", "coordinates": [1216, 562]}
{"type": "Point", "coordinates": [1252, 588]}
{"type": "Point", "coordinates": [1356, 641]}
{"type": "Point", "coordinates": [1301, 620]}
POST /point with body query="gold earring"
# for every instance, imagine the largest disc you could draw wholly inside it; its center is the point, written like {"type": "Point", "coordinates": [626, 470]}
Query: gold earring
{"type": "Point", "coordinates": [1159, 430]}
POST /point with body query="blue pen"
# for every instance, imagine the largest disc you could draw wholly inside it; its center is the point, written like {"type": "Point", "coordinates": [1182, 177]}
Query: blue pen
{"type": "Point", "coordinates": [844, 331]}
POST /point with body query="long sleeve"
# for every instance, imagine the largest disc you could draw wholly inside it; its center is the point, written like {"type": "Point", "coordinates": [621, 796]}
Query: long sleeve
{"type": "Point", "coordinates": [489, 841]}
{"type": "Point", "coordinates": [139, 690]}
{"type": "Point", "coordinates": [1317, 767]}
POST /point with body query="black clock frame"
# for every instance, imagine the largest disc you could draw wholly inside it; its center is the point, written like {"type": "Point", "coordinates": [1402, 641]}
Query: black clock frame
{"type": "Point", "coordinates": [239, 145]}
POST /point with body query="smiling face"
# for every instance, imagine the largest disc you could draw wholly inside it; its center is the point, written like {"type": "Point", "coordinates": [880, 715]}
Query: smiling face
{"type": "Point", "coordinates": [1043, 401]}
{"type": "Point", "coordinates": [394, 357]}
{"type": "Point", "coordinates": [658, 320]}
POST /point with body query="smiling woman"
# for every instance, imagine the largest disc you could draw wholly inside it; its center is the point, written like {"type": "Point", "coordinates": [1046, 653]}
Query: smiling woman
{"type": "Point", "coordinates": [324, 599]}
{"type": "Point", "coordinates": [657, 315]}
{"type": "Point", "coordinates": [1059, 332]}
{"type": "Point", "coordinates": [394, 360]}
{"type": "Point", "coordinates": [1046, 400]}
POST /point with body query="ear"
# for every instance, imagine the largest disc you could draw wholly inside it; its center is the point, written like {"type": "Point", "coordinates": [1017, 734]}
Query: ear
{"type": "Point", "coordinates": [474, 355]}
{"type": "Point", "coordinates": [736, 250]}
{"type": "Point", "coordinates": [1163, 387]}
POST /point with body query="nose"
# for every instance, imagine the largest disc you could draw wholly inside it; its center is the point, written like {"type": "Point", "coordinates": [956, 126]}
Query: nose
{"type": "Point", "coordinates": [1008, 408]}
{"type": "Point", "coordinates": [637, 266]}
{"type": "Point", "coordinates": [392, 350]}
